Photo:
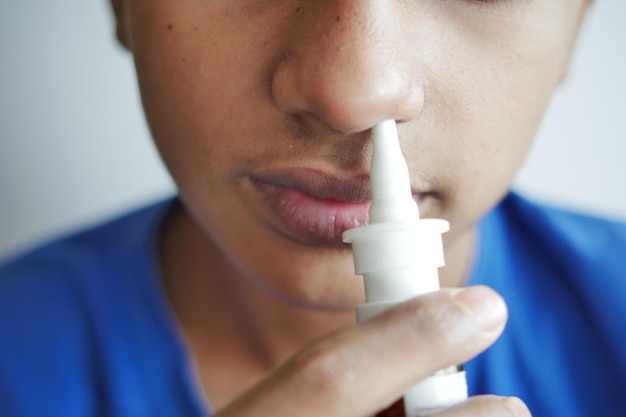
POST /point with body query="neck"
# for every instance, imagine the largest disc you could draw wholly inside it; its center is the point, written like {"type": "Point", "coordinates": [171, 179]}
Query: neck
{"type": "Point", "coordinates": [225, 317]}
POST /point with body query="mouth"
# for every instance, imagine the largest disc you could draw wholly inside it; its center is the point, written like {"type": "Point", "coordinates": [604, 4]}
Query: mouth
{"type": "Point", "coordinates": [310, 206]}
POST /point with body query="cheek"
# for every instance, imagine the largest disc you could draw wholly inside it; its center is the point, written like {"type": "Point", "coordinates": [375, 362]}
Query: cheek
{"type": "Point", "coordinates": [488, 93]}
{"type": "Point", "coordinates": [200, 82]}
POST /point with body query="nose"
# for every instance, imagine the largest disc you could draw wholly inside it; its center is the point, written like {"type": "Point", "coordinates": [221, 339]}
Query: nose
{"type": "Point", "coordinates": [343, 65]}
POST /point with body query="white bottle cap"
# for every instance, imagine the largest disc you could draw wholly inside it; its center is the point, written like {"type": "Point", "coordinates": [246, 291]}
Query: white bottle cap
{"type": "Point", "coordinates": [398, 261]}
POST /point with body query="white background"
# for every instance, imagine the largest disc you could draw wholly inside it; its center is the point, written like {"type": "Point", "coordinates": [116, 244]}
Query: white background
{"type": "Point", "coordinates": [74, 147]}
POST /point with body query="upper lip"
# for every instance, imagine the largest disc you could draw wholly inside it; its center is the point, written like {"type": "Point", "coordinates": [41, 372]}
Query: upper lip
{"type": "Point", "coordinates": [352, 188]}
{"type": "Point", "coordinates": [319, 184]}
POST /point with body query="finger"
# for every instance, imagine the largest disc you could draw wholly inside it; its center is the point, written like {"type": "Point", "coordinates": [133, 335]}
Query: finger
{"type": "Point", "coordinates": [361, 370]}
{"type": "Point", "coordinates": [440, 330]}
{"type": "Point", "coordinates": [488, 406]}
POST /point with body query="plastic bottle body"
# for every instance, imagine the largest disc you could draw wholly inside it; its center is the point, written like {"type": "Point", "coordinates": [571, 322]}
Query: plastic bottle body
{"type": "Point", "coordinates": [435, 394]}
{"type": "Point", "coordinates": [399, 261]}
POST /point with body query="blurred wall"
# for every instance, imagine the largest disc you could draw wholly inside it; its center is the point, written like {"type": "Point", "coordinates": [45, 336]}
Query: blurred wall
{"type": "Point", "coordinates": [74, 147]}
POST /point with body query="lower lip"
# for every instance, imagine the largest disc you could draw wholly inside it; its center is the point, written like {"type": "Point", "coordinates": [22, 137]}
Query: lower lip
{"type": "Point", "coordinates": [308, 219]}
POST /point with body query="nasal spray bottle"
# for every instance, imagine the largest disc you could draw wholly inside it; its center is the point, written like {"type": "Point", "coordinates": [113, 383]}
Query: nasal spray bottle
{"type": "Point", "coordinates": [398, 255]}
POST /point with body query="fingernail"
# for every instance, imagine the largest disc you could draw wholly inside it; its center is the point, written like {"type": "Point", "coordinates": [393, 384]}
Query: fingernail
{"type": "Point", "coordinates": [483, 306]}
{"type": "Point", "coordinates": [517, 407]}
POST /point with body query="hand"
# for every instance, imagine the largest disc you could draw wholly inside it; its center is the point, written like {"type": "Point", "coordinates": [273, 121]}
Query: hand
{"type": "Point", "coordinates": [362, 370]}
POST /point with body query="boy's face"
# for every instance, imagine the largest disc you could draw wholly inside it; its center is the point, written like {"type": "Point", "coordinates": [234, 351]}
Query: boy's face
{"type": "Point", "coordinates": [261, 111]}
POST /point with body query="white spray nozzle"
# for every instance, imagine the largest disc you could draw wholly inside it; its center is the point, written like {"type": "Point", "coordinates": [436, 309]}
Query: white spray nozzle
{"type": "Point", "coordinates": [392, 199]}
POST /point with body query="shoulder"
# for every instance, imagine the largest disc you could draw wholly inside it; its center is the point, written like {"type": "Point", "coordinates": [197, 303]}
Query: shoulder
{"type": "Point", "coordinates": [565, 264]}
{"type": "Point", "coordinates": [57, 303]}
{"type": "Point", "coordinates": [561, 232]}
{"type": "Point", "coordinates": [553, 254]}
{"type": "Point", "coordinates": [562, 275]}
{"type": "Point", "coordinates": [50, 277]}
{"type": "Point", "coordinates": [81, 251]}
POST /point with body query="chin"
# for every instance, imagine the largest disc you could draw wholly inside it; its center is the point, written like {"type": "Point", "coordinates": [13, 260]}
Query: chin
{"type": "Point", "coordinates": [323, 280]}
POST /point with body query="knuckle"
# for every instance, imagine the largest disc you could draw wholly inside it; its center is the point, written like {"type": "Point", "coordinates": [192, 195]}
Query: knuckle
{"type": "Point", "coordinates": [326, 371]}
{"type": "Point", "coordinates": [435, 320]}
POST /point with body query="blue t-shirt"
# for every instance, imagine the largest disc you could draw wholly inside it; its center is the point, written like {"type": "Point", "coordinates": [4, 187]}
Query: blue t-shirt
{"type": "Point", "coordinates": [563, 276]}
{"type": "Point", "coordinates": [86, 330]}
